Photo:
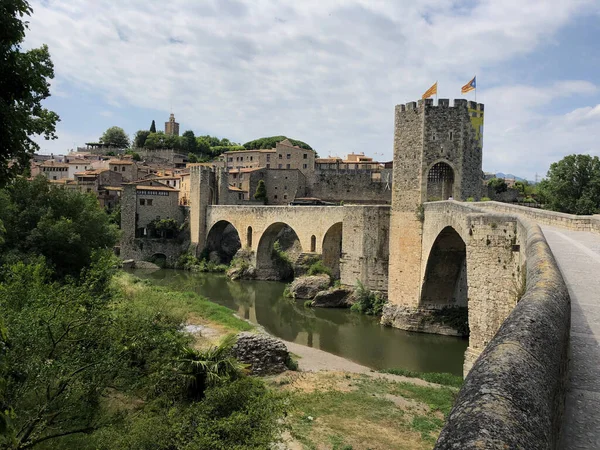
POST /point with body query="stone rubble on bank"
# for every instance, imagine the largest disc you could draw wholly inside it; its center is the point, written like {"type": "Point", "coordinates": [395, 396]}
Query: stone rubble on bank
{"type": "Point", "coordinates": [265, 354]}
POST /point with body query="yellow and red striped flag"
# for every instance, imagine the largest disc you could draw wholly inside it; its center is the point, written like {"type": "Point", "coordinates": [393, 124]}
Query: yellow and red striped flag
{"type": "Point", "coordinates": [470, 86]}
{"type": "Point", "coordinates": [431, 91]}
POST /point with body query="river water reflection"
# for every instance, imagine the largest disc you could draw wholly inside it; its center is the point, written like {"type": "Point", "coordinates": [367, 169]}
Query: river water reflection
{"type": "Point", "coordinates": [339, 331]}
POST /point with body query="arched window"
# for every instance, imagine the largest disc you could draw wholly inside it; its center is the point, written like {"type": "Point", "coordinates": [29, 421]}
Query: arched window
{"type": "Point", "coordinates": [313, 243]}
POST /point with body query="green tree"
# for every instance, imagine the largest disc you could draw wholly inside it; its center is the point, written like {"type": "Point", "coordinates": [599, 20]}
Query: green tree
{"type": "Point", "coordinates": [188, 141]}
{"type": "Point", "coordinates": [261, 192]}
{"type": "Point", "coordinates": [270, 142]}
{"type": "Point", "coordinates": [202, 146]}
{"type": "Point", "coordinates": [64, 226]}
{"type": "Point", "coordinates": [134, 155]}
{"type": "Point", "coordinates": [192, 158]}
{"type": "Point", "coordinates": [153, 127]}
{"type": "Point", "coordinates": [573, 185]}
{"type": "Point", "coordinates": [24, 86]}
{"type": "Point", "coordinates": [172, 141]}
{"type": "Point", "coordinates": [498, 184]}
{"type": "Point", "coordinates": [140, 138]}
{"type": "Point", "coordinates": [156, 141]}
{"type": "Point", "coordinates": [115, 137]}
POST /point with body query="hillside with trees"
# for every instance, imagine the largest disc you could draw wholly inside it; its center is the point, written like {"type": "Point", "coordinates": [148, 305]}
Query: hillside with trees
{"type": "Point", "coordinates": [270, 142]}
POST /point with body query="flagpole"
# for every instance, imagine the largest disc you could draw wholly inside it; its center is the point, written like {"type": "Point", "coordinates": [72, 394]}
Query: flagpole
{"type": "Point", "coordinates": [475, 90]}
{"type": "Point", "coordinates": [436, 86]}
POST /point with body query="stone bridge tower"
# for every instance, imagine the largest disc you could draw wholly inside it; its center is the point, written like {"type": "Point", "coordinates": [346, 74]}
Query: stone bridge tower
{"type": "Point", "coordinates": [437, 155]}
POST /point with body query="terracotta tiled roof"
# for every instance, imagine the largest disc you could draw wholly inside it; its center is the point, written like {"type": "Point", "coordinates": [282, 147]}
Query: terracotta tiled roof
{"type": "Point", "coordinates": [120, 161]}
{"type": "Point", "coordinates": [156, 188]}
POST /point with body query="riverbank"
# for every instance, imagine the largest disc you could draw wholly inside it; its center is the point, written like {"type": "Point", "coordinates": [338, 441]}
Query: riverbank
{"type": "Point", "coordinates": [332, 402]}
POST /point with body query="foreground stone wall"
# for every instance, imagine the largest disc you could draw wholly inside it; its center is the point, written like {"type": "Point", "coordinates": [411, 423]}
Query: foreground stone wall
{"type": "Point", "coordinates": [514, 395]}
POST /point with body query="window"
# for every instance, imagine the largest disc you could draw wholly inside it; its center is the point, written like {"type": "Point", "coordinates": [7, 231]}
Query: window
{"type": "Point", "coordinates": [123, 169]}
{"type": "Point", "coordinates": [149, 202]}
{"type": "Point", "coordinates": [275, 187]}
{"type": "Point", "coordinates": [313, 243]}
{"type": "Point", "coordinates": [285, 187]}
{"type": "Point", "coordinates": [230, 159]}
{"type": "Point", "coordinates": [305, 166]}
{"type": "Point", "coordinates": [289, 156]}
{"type": "Point", "coordinates": [268, 166]}
{"type": "Point", "coordinates": [305, 156]}
{"type": "Point", "coordinates": [285, 196]}
{"type": "Point", "coordinates": [433, 137]}
{"type": "Point", "coordinates": [451, 135]}
{"type": "Point", "coordinates": [54, 178]}
{"type": "Point", "coordinates": [280, 156]}
{"type": "Point", "coordinates": [251, 158]}
{"type": "Point", "coordinates": [249, 237]}
{"type": "Point", "coordinates": [268, 158]}
{"type": "Point", "coordinates": [115, 168]}
{"type": "Point", "coordinates": [89, 190]}
{"type": "Point", "coordinates": [275, 197]}
{"type": "Point", "coordinates": [279, 166]}
{"type": "Point", "coordinates": [287, 166]}
{"type": "Point", "coordinates": [240, 185]}
{"type": "Point", "coordinates": [142, 201]}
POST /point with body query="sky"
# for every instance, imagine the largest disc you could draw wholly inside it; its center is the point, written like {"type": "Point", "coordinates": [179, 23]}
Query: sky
{"type": "Point", "coordinates": [327, 72]}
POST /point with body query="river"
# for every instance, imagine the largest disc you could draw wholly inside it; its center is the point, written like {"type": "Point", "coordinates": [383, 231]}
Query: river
{"type": "Point", "coordinates": [339, 331]}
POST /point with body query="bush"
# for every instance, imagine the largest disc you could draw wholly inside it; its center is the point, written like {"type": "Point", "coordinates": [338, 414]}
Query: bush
{"type": "Point", "coordinates": [470, 199]}
{"type": "Point", "coordinates": [187, 261]}
{"type": "Point", "coordinates": [318, 267]}
{"type": "Point", "coordinates": [485, 199]}
{"type": "Point", "coordinates": [367, 302]}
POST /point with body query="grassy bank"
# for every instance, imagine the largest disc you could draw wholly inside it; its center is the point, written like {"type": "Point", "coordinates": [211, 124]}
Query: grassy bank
{"type": "Point", "coordinates": [343, 411]}
{"type": "Point", "coordinates": [445, 379]}
{"type": "Point", "coordinates": [188, 306]}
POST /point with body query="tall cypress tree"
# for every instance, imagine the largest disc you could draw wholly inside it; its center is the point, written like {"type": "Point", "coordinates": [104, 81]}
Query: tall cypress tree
{"type": "Point", "coordinates": [153, 127]}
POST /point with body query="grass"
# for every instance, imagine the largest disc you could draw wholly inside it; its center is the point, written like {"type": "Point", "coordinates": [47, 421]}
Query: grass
{"type": "Point", "coordinates": [183, 304]}
{"type": "Point", "coordinates": [445, 379]}
{"type": "Point", "coordinates": [358, 411]}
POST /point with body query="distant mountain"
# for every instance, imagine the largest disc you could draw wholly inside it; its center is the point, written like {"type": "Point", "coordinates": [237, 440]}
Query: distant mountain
{"type": "Point", "coordinates": [509, 175]}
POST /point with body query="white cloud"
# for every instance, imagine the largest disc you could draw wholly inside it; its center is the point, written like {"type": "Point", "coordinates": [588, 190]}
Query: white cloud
{"type": "Point", "coordinates": [325, 71]}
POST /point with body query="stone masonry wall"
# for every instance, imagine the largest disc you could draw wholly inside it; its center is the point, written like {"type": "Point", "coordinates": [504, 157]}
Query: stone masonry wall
{"type": "Point", "coordinates": [513, 397]}
{"type": "Point", "coordinates": [365, 246]}
{"type": "Point", "coordinates": [405, 226]}
{"type": "Point", "coordinates": [351, 186]}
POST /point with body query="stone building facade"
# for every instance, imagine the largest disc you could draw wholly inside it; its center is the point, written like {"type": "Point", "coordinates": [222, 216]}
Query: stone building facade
{"type": "Point", "coordinates": [285, 155]}
{"type": "Point", "coordinates": [141, 203]}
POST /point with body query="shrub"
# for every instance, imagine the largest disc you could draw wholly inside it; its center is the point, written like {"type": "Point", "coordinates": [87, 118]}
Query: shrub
{"type": "Point", "coordinates": [367, 302]}
{"type": "Point", "coordinates": [317, 268]}
{"type": "Point", "coordinates": [308, 304]}
{"type": "Point", "coordinates": [485, 199]}
{"type": "Point", "coordinates": [470, 199]}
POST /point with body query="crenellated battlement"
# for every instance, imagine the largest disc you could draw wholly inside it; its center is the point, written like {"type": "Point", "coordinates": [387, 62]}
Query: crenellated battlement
{"type": "Point", "coordinates": [442, 103]}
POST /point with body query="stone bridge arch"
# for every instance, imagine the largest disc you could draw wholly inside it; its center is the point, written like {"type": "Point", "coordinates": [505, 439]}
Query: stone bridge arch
{"type": "Point", "coordinates": [270, 265]}
{"type": "Point", "coordinates": [445, 276]}
{"type": "Point", "coordinates": [470, 258]}
{"type": "Point", "coordinates": [222, 242]}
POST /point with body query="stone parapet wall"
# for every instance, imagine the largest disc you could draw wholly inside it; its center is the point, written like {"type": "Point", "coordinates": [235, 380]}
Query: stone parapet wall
{"type": "Point", "coordinates": [513, 397]}
{"type": "Point", "coordinates": [543, 216]}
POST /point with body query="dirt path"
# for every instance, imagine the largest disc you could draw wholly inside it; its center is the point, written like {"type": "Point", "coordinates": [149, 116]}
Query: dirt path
{"type": "Point", "coordinates": [314, 360]}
